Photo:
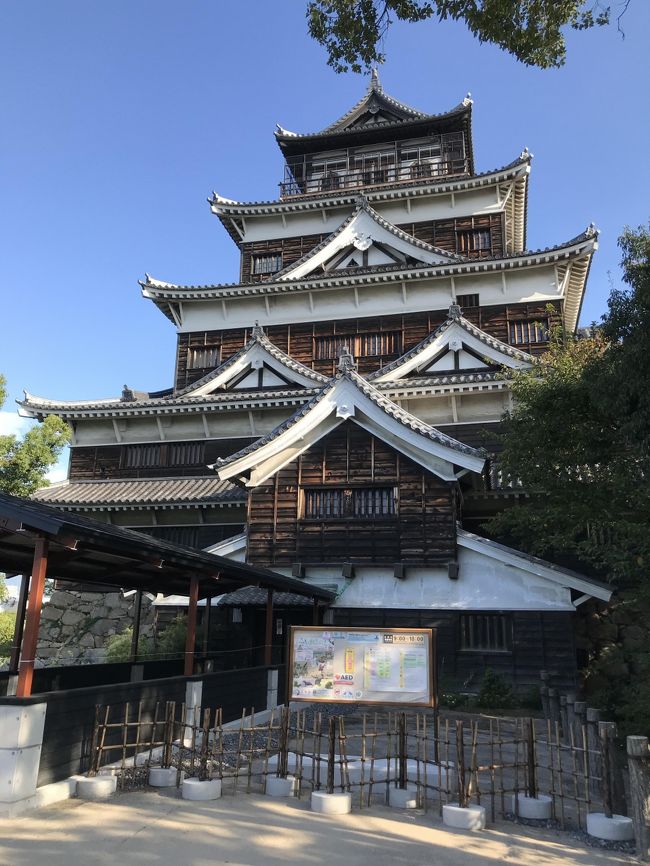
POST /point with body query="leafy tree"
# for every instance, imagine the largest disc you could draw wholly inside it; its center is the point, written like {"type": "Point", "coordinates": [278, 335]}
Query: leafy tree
{"type": "Point", "coordinates": [352, 31]}
{"type": "Point", "coordinates": [118, 647]}
{"type": "Point", "coordinates": [579, 441]}
{"type": "Point", "coordinates": [25, 462]}
{"type": "Point", "coordinates": [7, 625]}
{"type": "Point", "coordinates": [579, 437]}
{"type": "Point", "coordinates": [4, 592]}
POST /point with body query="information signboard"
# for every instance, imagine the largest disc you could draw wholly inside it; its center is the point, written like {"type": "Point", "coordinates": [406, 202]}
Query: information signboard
{"type": "Point", "coordinates": [362, 665]}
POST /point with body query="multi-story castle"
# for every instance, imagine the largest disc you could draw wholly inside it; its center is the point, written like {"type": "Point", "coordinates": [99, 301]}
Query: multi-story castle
{"type": "Point", "coordinates": [333, 412]}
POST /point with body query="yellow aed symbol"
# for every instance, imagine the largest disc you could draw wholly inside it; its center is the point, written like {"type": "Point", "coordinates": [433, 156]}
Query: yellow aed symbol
{"type": "Point", "coordinates": [349, 661]}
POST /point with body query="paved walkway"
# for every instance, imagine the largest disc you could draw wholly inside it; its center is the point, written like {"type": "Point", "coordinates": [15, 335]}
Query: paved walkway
{"type": "Point", "coordinates": [147, 828]}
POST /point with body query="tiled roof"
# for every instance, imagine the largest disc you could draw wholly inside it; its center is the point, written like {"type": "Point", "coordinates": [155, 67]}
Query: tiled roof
{"type": "Point", "coordinates": [142, 492]}
{"type": "Point", "coordinates": [252, 595]}
{"type": "Point", "coordinates": [260, 338]}
{"type": "Point", "coordinates": [379, 399]}
{"type": "Point", "coordinates": [156, 289]}
{"type": "Point", "coordinates": [466, 325]}
{"type": "Point", "coordinates": [224, 206]}
{"type": "Point", "coordinates": [362, 205]}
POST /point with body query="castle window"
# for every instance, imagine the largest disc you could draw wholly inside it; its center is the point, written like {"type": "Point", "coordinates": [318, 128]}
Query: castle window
{"type": "Point", "coordinates": [472, 241]}
{"type": "Point", "coordinates": [353, 502]}
{"type": "Point", "coordinates": [267, 264]}
{"type": "Point", "coordinates": [466, 302]}
{"type": "Point", "coordinates": [186, 453]}
{"type": "Point", "coordinates": [202, 358]}
{"type": "Point", "coordinates": [142, 456]}
{"type": "Point", "coordinates": [360, 345]}
{"type": "Point", "coordinates": [486, 632]}
{"type": "Point", "coordinates": [528, 331]}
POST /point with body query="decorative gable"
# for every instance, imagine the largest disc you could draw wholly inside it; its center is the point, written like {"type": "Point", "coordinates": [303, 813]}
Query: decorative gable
{"type": "Point", "coordinates": [457, 346]}
{"type": "Point", "coordinates": [258, 365]}
{"type": "Point", "coordinates": [347, 396]}
{"type": "Point", "coordinates": [366, 240]}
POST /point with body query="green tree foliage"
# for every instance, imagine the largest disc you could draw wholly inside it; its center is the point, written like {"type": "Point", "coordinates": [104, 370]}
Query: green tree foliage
{"type": "Point", "coordinates": [25, 462]}
{"type": "Point", "coordinates": [352, 31]}
{"type": "Point", "coordinates": [579, 441]}
{"type": "Point", "coordinates": [118, 647]}
{"type": "Point", "coordinates": [7, 624]}
{"type": "Point", "coordinates": [579, 437]}
{"type": "Point", "coordinates": [4, 592]}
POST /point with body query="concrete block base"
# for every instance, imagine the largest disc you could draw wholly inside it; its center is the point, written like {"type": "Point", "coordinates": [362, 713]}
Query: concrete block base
{"type": "Point", "coordinates": [162, 777]}
{"type": "Point", "coordinates": [277, 787]}
{"type": "Point", "coordinates": [193, 789]}
{"type": "Point", "coordinates": [96, 787]}
{"type": "Point", "coordinates": [469, 818]}
{"type": "Point", "coordinates": [535, 808]}
{"type": "Point", "coordinates": [403, 798]}
{"type": "Point", "coordinates": [331, 804]}
{"type": "Point", "coordinates": [618, 828]}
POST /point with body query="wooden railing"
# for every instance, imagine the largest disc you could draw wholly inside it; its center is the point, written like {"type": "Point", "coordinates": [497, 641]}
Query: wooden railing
{"type": "Point", "coordinates": [414, 172]}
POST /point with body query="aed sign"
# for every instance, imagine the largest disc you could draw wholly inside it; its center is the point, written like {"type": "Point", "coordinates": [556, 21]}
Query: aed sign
{"type": "Point", "coordinates": [362, 665]}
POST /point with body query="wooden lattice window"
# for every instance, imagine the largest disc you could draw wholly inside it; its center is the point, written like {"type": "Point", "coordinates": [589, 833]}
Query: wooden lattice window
{"type": "Point", "coordinates": [267, 264]}
{"type": "Point", "coordinates": [472, 241]}
{"type": "Point", "coordinates": [352, 502]}
{"type": "Point", "coordinates": [143, 456]}
{"type": "Point", "coordinates": [466, 302]}
{"type": "Point", "coordinates": [360, 345]}
{"type": "Point", "coordinates": [487, 632]}
{"type": "Point", "coordinates": [186, 453]}
{"type": "Point", "coordinates": [527, 331]}
{"type": "Point", "coordinates": [202, 357]}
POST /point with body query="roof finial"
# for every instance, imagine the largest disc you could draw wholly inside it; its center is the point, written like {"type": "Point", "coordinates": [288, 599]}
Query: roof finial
{"type": "Point", "coordinates": [375, 83]}
{"type": "Point", "coordinates": [592, 231]}
{"type": "Point", "coordinates": [454, 312]}
{"type": "Point", "coordinates": [127, 394]}
{"type": "Point", "coordinates": [361, 201]}
{"type": "Point", "coordinates": [346, 360]}
{"type": "Point", "coordinates": [525, 154]}
{"type": "Point", "coordinates": [468, 99]}
{"type": "Point", "coordinates": [258, 330]}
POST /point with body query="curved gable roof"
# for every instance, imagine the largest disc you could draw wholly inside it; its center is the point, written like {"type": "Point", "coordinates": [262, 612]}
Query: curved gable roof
{"type": "Point", "coordinates": [347, 396]}
{"type": "Point", "coordinates": [455, 326]}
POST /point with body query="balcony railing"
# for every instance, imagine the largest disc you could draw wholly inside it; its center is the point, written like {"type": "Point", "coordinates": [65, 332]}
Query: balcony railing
{"type": "Point", "coordinates": [412, 172]}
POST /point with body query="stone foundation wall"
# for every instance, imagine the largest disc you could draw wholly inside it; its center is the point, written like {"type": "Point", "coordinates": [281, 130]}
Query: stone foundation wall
{"type": "Point", "coordinates": [75, 626]}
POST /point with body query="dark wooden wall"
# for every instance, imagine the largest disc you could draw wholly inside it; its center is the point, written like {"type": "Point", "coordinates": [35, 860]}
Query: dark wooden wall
{"type": "Point", "coordinates": [542, 640]}
{"type": "Point", "coordinates": [298, 340]}
{"type": "Point", "coordinates": [422, 529]}
{"type": "Point", "coordinates": [109, 461]}
{"type": "Point", "coordinates": [438, 233]}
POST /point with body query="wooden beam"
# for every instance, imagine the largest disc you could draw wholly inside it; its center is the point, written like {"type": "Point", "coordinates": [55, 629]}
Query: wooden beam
{"type": "Point", "coordinates": [190, 640]}
{"type": "Point", "coordinates": [207, 622]}
{"type": "Point", "coordinates": [21, 609]}
{"type": "Point", "coordinates": [268, 638]}
{"type": "Point", "coordinates": [30, 638]}
{"type": "Point", "coordinates": [135, 640]}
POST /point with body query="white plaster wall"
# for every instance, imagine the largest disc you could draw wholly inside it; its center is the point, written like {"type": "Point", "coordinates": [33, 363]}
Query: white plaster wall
{"type": "Point", "coordinates": [531, 284]}
{"type": "Point", "coordinates": [483, 584]}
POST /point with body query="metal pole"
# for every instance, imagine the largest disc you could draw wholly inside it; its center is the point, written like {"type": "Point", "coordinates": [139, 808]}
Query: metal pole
{"type": "Point", "coordinates": [30, 637]}
{"type": "Point", "coordinates": [190, 640]}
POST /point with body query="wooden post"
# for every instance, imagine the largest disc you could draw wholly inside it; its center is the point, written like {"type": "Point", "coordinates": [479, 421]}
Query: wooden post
{"type": "Point", "coordinates": [612, 769]}
{"type": "Point", "coordinates": [638, 761]}
{"type": "Point", "coordinates": [593, 745]}
{"type": "Point", "coordinates": [207, 622]}
{"type": "Point", "coordinates": [30, 638]}
{"type": "Point", "coordinates": [554, 705]}
{"type": "Point", "coordinates": [580, 712]}
{"type": "Point", "coordinates": [20, 624]}
{"type": "Point", "coordinates": [543, 692]}
{"type": "Point", "coordinates": [190, 640]}
{"type": "Point", "coordinates": [135, 639]}
{"type": "Point", "coordinates": [268, 638]}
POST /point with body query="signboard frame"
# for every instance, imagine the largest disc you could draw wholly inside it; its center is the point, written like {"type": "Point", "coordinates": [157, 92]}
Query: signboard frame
{"type": "Point", "coordinates": [430, 634]}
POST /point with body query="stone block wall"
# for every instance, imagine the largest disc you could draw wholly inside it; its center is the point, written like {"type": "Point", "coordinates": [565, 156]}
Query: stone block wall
{"type": "Point", "coordinates": [75, 626]}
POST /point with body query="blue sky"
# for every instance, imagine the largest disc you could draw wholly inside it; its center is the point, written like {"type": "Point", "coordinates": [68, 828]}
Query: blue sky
{"type": "Point", "coordinates": [120, 118]}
